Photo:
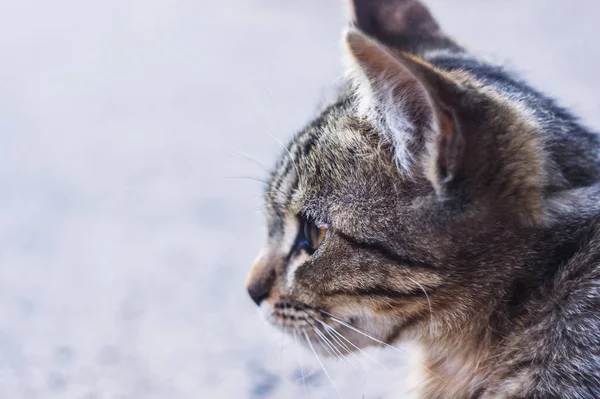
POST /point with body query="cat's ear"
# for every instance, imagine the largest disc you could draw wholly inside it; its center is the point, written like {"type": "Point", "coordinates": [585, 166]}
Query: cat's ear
{"type": "Point", "coordinates": [411, 104]}
{"type": "Point", "coordinates": [388, 18]}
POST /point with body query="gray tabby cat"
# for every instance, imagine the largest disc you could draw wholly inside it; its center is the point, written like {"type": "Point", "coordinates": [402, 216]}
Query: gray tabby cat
{"type": "Point", "coordinates": [440, 199]}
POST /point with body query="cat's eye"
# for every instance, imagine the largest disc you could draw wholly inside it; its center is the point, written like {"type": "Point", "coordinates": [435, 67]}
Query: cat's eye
{"type": "Point", "coordinates": [311, 235]}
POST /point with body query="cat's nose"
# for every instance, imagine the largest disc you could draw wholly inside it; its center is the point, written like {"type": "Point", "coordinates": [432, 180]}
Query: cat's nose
{"type": "Point", "coordinates": [258, 292]}
{"type": "Point", "coordinates": [261, 279]}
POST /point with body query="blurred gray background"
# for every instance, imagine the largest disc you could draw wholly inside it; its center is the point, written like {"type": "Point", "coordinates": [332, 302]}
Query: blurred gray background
{"type": "Point", "coordinates": [124, 236]}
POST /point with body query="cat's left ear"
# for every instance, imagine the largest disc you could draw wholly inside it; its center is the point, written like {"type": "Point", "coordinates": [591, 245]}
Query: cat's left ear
{"type": "Point", "coordinates": [412, 105]}
{"type": "Point", "coordinates": [391, 18]}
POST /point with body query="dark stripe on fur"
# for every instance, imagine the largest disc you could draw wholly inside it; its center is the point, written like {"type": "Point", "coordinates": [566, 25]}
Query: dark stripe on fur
{"type": "Point", "coordinates": [382, 250]}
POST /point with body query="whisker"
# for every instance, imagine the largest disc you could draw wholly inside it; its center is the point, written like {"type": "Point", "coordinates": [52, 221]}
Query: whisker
{"type": "Point", "coordinates": [265, 182]}
{"type": "Point", "coordinates": [249, 158]}
{"type": "Point", "coordinates": [281, 350]}
{"type": "Point", "coordinates": [339, 354]}
{"type": "Point", "coordinates": [356, 329]}
{"type": "Point", "coordinates": [333, 330]}
{"type": "Point", "coordinates": [320, 362]}
{"type": "Point", "coordinates": [339, 342]}
{"type": "Point", "coordinates": [267, 317]}
{"type": "Point", "coordinates": [287, 151]}
{"type": "Point", "coordinates": [307, 375]}
{"type": "Point", "coordinates": [328, 348]}
{"type": "Point", "coordinates": [300, 362]}
{"type": "Point", "coordinates": [246, 178]}
{"type": "Point", "coordinates": [428, 303]}
{"type": "Point", "coordinates": [345, 324]}
{"type": "Point", "coordinates": [329, 331]}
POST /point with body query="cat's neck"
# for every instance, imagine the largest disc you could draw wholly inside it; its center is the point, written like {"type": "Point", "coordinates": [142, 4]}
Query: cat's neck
{"type": "Point", "coordinates": [464, 355]}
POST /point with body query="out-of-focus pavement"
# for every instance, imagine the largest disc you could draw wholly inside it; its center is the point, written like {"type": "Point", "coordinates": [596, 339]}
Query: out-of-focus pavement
{"type": "Point", "coordinates": [124, 243]}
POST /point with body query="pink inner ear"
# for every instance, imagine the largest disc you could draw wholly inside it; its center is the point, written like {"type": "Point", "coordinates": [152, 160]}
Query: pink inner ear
{"type": "Point", "coordinates": [393, 17]}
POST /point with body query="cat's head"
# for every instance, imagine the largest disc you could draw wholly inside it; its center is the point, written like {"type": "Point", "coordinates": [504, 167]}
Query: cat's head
{"type": "Point", "coordinates": [389, 213]}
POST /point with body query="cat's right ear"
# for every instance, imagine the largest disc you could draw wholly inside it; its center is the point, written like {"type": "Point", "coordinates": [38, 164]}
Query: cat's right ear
{"type": "Point", "coordinates": [388, 18]}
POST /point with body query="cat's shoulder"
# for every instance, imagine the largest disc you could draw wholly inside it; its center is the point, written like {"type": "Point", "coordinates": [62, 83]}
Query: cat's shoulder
{"type": "Point", "coordinates": [556, 351]}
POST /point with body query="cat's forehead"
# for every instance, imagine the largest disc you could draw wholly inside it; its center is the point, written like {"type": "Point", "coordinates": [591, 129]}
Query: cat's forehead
{"type": "Point", "coordinates": [338, 154]}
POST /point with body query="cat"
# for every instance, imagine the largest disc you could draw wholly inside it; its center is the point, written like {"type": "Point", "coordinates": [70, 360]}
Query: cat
{"type": "Point", "coordinates": [439, 199]}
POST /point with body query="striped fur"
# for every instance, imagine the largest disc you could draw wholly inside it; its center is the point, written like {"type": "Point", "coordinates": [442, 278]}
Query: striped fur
{"type": "Point", "coordinates": [462, 210]}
